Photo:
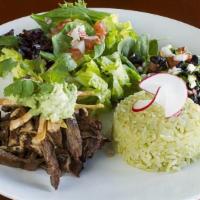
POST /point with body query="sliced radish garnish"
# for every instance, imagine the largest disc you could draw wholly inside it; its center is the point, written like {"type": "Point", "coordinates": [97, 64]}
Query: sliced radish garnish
{"type": "Point", "coordinates": [172, 94]}
{"type": "Point", "coordinates": [142, 105]}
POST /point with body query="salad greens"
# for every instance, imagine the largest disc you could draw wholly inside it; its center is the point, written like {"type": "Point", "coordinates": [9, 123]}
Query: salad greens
{"type": "Point", "coordinates": [90, 52]}
{"type": "Point", "coordinates": [8, 41]}
{"type": "Point", "coordinates": [68, 11]}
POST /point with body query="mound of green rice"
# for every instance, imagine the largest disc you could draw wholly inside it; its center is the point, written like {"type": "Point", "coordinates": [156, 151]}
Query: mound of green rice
{"type": "Point", "coordinates": [150, 141]}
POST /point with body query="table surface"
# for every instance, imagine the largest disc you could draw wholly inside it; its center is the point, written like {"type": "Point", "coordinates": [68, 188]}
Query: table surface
{"type": "Point", "coordinates": [182, 10]}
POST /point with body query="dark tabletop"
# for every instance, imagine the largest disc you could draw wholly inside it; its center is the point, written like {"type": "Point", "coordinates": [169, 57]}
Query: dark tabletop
{"type": "Point", "coordinates": [183, 10]}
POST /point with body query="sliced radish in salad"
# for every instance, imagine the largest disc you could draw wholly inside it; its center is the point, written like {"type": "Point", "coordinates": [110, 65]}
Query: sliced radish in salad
{"type": "Point", "coordinates": [169, 91]}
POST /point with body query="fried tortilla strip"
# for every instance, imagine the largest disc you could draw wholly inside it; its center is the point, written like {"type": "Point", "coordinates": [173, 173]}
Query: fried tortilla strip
{"type": "Point", "coordinates": [73, 138]}
{"type": "Point", "coordinates": [53, 169]}
{"type": "Point", "coordinates": [54, 133]}
{"type": "Point", "coordinates": [20, 121]}
{"type": "Point", "coordinates": [96, 106]}
{"type": "Point", "coordinates": [7, 102]}
{"type": "Point", "coordinates": [85, 93]}
{"type": "Point", "coordinates": [42, 131]}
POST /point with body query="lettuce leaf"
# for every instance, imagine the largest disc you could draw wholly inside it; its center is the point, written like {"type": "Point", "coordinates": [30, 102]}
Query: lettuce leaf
{"type": "Point", "coordinates": [117, 32]}
{"type": "Point", "coordinates": [90, 79]}
{"type": "Point", "coordinates": [11, 61]}
{"type": "Point", "coordinates": [99, 49]}
{"type": "Point", "coordinates": [118, 73]}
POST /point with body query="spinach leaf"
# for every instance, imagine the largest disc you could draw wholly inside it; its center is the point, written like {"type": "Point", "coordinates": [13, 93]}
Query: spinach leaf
{"type": "Point", "coordinates": [125, 47]}
{"type": "Point", "coordinates": [49, 19]}
{"type": "Point", "coordinates": [141, 46]}
{"type": "Point", "coordinates": [153, 47]}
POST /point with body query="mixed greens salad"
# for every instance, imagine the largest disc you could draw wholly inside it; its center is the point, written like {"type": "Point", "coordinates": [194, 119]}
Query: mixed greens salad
{"type": "Point", "coordinates": [80, 57]}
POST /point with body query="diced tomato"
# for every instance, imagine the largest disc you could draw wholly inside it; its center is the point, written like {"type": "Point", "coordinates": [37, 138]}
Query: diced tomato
{"type": "Point", "coordinates": [100, 29]}
{"type": "Point", "coordinates": [91, 41]}
{"type": "Point", "coordinates": [76, 53]}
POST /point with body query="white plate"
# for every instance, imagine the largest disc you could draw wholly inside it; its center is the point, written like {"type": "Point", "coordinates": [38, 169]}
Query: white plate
{"type": "Point", "coordinates": [110, 178]}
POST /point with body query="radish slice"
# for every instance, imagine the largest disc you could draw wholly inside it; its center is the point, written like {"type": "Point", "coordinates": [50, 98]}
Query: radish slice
{"type": "Point", "coordinates": [142, 105]}
{"type": "Point", "coordinates": [172, 94]}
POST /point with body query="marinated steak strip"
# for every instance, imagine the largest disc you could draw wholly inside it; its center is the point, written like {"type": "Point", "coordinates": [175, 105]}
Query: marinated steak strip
{"type": "Point", "coordinates": [11, 160]}
{"type": "Point", "coordinates": [90, 133]}
{"type": "Point", "coordinates": [32, 142]}
{"type": "Point", "coordinates": [75, 167]}
{"type": "Point", "coordinates": [73, 138]}
{"type": "Point", "coordinates": [51, 161]}
{"type": "Point", "coordinates": [4, 133]}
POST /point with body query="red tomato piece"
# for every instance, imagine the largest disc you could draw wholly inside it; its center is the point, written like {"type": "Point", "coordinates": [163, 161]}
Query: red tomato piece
{"type": "Point", "coordinates": [76, 53]}
{"type": "Point", "coordinates": [100, 29]}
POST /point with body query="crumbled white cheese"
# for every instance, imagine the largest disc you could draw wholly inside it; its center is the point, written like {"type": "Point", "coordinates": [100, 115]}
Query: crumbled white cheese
{"type": "Point", "coordinates": [180, 57]}
{"type": "Point", "coordinates": [140, 69]}
{"type": "Point", "coordinates": [75, 33]}
{"type": "Point", "coordinates": [79, 45]}
{"type": "Point", "coordinates": [166, 51]}
{"type": "Point", "coordinates": [48, 20]}
{"type": "Point", "coordinates": [174, 71]}
{"type": "Point", "coordinates": [192, 81]}
{"type": "Point", "coordinates": [191, 68]}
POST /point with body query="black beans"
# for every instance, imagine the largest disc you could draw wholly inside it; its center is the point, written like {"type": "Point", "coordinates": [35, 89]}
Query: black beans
{"type": "Point", "coordinates": [32, 41]}
{"type": "Point", "coordinates": [136, 59]}
{"type": "Point", "coordinates": [159, 60]}
{"type": "Point", "coordinates": [183, 66]}
{"type": "Point", "coordinates": [194, 60]}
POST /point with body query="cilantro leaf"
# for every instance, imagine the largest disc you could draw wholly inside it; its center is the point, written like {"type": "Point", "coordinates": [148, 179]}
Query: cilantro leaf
{"type": "Point", "coordinates": [6, 67]}
{"type": "Point", "coordinates": [45, 88]}
{"type": "Point", "coordinates": [27, 88]}
{"type": "Point", "coordinates": [14, 89]}
{"type": "Point", "coordinates": [20, 88]}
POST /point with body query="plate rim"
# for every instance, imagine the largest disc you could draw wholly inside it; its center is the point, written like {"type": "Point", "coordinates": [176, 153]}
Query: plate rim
{"type": "Point", "coordinates": [114, 10]}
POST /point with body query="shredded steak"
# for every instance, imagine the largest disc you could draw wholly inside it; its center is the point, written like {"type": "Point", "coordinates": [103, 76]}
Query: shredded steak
{"type": "Point", "coordinates": [63, 149]}
{"type": "Point", "coordinates": [73, 138]}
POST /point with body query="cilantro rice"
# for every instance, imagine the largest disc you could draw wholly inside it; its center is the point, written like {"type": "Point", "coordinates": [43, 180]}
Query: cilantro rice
{"type": "Point", "coordinates": [150, 141]}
